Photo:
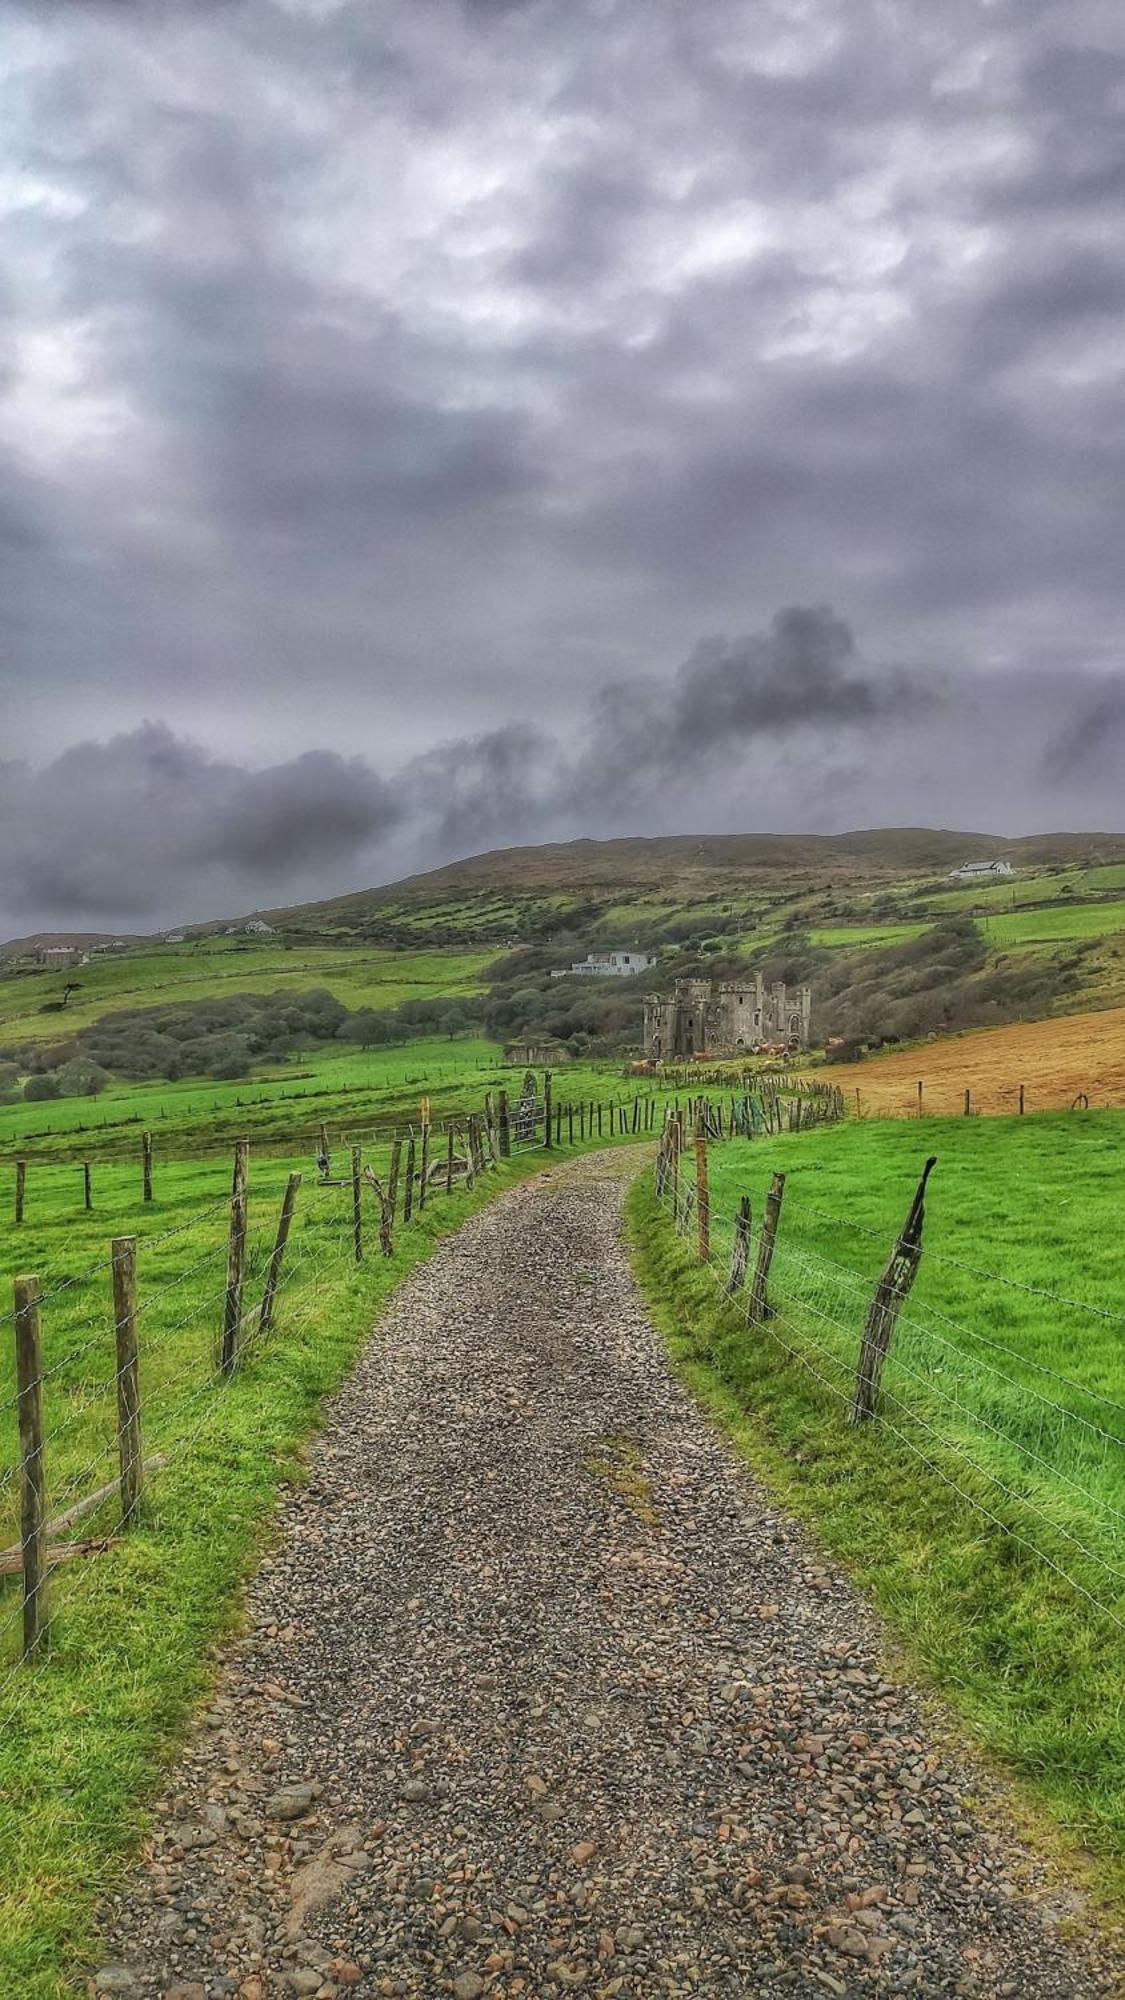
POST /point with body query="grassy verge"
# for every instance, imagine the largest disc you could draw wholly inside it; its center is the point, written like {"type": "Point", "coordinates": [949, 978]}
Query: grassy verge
{"type": "Point", "coordinates": [1029, 1663]}
{"type": "Point", "coordinates": [87, 1736]}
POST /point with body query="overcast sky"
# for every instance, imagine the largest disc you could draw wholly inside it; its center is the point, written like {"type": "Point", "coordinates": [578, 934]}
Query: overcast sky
{"type": "Point", "coordinates": [437, 423]}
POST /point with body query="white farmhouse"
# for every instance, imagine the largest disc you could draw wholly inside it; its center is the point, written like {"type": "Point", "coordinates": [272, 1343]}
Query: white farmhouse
{"type": "Point", "coordinates": [607, 965]}
{"type": "Point", "coordinates": [981, 871]}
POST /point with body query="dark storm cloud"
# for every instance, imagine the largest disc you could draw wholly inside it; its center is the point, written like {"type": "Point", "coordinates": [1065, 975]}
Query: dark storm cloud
{"type": "Point", "coordinates": [790, 727]}
{"type": "Point", "coordinates": [386, 378]}
{"type": "Point", "coordinates": [149, 823]}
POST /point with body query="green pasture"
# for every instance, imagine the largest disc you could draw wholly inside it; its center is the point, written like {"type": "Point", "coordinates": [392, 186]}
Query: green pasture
{"type": "Point", "coordinates": [359, 976]}
{"type": "Point", "coordinates": [850, 936]}
{"type": "Point", "coordinates": [1044, 888]}
{"type": "Point", "coordinates": [353, 1091]}
{"type": "Point", "coordinates": [985, 1510]}
{"type": "Point", "coordinates": [1055, 925]}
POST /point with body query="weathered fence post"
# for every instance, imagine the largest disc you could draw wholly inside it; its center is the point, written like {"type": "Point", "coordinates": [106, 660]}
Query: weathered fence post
{"type": "Point", "coordinates": [87, 1189]}
{"type": "Point", "coordinates": [504, 1128]}
{"type": "Point", "coordinates": [273, 1274]}
{"type": "Point", "coordinates": [396, 1165]}
{"type": "Point", "coordinates": [123, 1252]}
{"type": "Point", "coordinates": [919, 1097]}
{"type": "Point", "coordinates": [33, 1476]}
{"type": "Point", "coordinates": [146, 1164]}
{"type": "Point", "coordinates": [968, 1101]}
{"type": "Point", "coordinates": [1021, 1099]}
{"type": "Point", "coordinates": [547, 1140]}
{"type": "Point", "coordinates": [449, 1159]}
{"type": "Point", "coordinates": [236, 1260]}
{"type": "Point", "coordinates": [892, 1288]}
{"type": "Point", "coordinates": [408, 1190]}
{"type": "Point", "coordinates": [21, 1188]}
{"type": "Point", "coordinates": [759, 1291]}
{"type": "Point", "coordinates": [424, 1165]}
{"type": "Point", "coordinates": [702, 1196]}
{"type": "Point", "coordinates": [740, 1249]}
{"type": "Point", "coordinates": [357, 1207]}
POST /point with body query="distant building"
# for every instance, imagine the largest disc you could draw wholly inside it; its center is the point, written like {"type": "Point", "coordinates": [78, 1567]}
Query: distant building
{"type": "Point", "coordinates": [607, 965]}
{"type": "Point", "coordinates": [536, 1052]}
{"type": "Point", "coordinates": [55, 955]}
{"type": "Point", "coordinates": [704, 1017]}
{"type": "Point", "coordinates": [257, 927]}
{"type": "Point", "coordinates": [113, 944]}
{"type": "Point", "coordinates": [174, 937]}
{"type": "Point", "coordinates": [980, 871]}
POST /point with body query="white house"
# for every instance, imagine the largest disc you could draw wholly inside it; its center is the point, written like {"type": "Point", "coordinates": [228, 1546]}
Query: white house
{"type": "Point", "coordinates": [980, 871]}
{"type": "Point", "coordinates": [607, 965]}
{"type": "Point", "coordinates": [257, 927]}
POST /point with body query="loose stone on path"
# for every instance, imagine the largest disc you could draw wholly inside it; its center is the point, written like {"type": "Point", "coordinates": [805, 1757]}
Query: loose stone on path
{"type": "Point", "coordinates": [500, 1728]}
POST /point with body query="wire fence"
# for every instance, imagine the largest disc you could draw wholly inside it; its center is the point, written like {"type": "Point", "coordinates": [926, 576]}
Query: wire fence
{"type": "Point", "coordinates": [1037, 1453]}
{"type": "Point", "coordinates": [112, 1370]}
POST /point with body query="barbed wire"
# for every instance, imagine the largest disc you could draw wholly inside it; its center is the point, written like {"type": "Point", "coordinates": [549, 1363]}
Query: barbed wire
{"type": "Point", "coordinates": [779, 1315]}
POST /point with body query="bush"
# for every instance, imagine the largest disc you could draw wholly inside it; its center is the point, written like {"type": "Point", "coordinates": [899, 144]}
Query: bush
{"type": "Point", "coordinates": [38, 1089]}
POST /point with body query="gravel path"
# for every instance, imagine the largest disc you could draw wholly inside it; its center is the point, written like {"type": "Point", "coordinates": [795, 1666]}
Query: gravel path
{"type": "Point", "coordinates": [542, 1695]}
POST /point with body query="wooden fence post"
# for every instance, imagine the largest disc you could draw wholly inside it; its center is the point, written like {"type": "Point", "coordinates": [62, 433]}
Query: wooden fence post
{"type": "Point", "coordinates": [892, 1288]}
{"type": "Point", "coordinates": [408, 1188]}
{"type": "Point", "coordinates": [424, 1165]}
{"type": "Point", "coordinates": [919, 1097]}
{"type": "Point", "coordinates": [504, 1127]}
{"type": "Point", "coordinates": [357, 1206]}
{"type": "Point", "coordinates": [702, 1197]}
{"type": "Point", "coordinates": [740, 1249]}
{"type": "Point", "coordinates": [21, 1188]}
{"type": "Point", "coordinates": [396, 1166]}
{"type": "Point", "coordinates": [449, 1159]}
{"type": "Point", "coordinates": [123, 1252]}
{"type": "Point", "coordinates": [33, 1479]}
{"type": "Point", "coordinates": [87, 1189]}
{"type": "Point", "coordinates": [236, 1261]}
{"type": "Point", "coordinates": [968, 1102]}
{"type": "Point", "coordinates": [1021, 1099]}
{"type": "Point", "coordinates": [547, 1140]}
{"type": "Point", "coordinates": [759, 1292]}
{"type": "Point", "coordinates": [273, 1274]}
{"type": "Point", "coordinates": [146, 1164]}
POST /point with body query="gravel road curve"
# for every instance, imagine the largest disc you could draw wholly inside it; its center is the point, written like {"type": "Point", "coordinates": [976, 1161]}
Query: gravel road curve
{"type": "Point", "coordinates": [541, 1694]}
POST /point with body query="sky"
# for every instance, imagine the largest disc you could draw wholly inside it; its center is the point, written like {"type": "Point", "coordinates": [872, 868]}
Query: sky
{"type": "Point", "coordinates": [446, 423]}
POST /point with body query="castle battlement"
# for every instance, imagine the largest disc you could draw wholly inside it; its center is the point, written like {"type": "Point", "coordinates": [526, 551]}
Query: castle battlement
{"type": "Point", "coordinates": [706, 1017]}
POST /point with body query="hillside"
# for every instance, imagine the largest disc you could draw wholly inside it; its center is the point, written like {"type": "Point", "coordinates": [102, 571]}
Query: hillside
{"type": "Point", "coordinates": [893, 947]}
{"type": "Point", "coordinates": [677, 867]}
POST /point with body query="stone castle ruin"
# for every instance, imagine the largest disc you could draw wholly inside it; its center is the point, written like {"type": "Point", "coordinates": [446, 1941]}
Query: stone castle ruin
{"type": "Point", "coordinates": [704, 1017]}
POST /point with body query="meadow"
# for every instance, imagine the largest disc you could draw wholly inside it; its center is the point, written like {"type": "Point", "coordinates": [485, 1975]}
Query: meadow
{"type": "Point", "coordinates": [360, 976]}
{"type": "Point", "coordinates": [984, 1509]}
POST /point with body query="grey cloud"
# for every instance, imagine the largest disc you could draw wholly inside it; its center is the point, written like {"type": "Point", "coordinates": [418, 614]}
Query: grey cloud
{"type": "Point", "coordinates": [148, 825]}
{"type": "Point", "coordinates": [1093, 739]}
{"type": "Point", "coordinates": [371, 377]}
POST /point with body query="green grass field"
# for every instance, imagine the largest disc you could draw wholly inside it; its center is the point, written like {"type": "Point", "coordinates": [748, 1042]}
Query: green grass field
{"type": "Point", "coordinates": [985, 1509]}
{"type": "Point", "coordinates": [353, 1091]}
{"type": "Point", "coordinates": [1053, 926]}
{"type": "Point", "coordinates": [360, 976]}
